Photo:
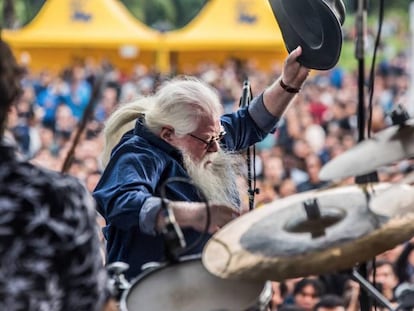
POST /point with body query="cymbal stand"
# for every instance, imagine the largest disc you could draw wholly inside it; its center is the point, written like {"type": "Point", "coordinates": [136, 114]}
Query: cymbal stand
{"type": "Point", "coordinates": [251, 151]}
{"type": "Point", "coordinates": [361, 17]}
{"type": "Point", "coordinates": [371, 290]}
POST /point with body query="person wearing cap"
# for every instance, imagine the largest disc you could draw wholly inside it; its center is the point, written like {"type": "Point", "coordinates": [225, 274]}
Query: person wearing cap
{"type": "Point", "coordinates": [49, 247]}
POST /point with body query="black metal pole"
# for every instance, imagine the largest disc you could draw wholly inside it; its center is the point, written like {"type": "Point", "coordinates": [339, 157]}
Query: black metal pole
{"type": "Point", "coordinates": [373, 292]}
{"type": "Point", "coordinates": [359, 55]}
{"type": "Point", "coordinates": [361, 15]}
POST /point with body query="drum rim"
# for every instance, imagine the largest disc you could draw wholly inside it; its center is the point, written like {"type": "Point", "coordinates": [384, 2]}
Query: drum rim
{"type": "Point", "coordinates": [147, 272]}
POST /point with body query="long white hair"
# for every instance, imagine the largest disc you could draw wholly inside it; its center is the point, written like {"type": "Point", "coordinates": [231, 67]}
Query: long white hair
{"type": "Point", "coordinates": [180, 103]}
{"type": "Point", "coordinates": [121, 121]}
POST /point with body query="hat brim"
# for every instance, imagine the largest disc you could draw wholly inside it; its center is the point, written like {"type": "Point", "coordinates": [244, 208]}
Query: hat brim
{"type": "Point", "coordinates": [312, 25]}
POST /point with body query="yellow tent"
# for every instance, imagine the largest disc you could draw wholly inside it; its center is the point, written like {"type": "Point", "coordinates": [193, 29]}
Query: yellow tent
{"type": "Point", "coordinates": [68, 30]}
{"type": "Point", "coordinates": [243, 29]}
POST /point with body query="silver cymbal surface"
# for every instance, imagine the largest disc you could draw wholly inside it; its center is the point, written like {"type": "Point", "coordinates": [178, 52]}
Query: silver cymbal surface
{"type": "Point", "coordinates": [388, 146]}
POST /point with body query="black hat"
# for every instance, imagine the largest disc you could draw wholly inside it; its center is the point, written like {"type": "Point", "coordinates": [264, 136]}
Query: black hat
{"type": "Point", "coordinates": [315, 25]}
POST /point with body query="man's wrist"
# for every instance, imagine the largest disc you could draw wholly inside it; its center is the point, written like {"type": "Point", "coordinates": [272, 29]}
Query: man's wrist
{"type": "Point", "coordinates": [288, 88]}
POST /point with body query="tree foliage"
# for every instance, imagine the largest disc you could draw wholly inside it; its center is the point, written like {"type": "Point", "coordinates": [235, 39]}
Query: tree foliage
{"type": "Point", "coordinates": [165, 14]}
{"type": "Point", "coordinates": [372, 6]}
{"type": "Point", "coordinates": [161, 14]}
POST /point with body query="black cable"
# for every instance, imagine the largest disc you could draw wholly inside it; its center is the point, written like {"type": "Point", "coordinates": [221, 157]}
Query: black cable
{"type": "Point", "coordinates": [372, 71]}
{"type": "Point", "coordinates": [371, 94]}
{"type": "Point", "coordinates": [203, 197]}
{"type": "Point", "coordinates": [362, 4]}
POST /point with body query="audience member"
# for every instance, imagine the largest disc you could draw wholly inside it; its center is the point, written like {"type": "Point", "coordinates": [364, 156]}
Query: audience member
{"type": "Point", "coordinates": [49, 244]}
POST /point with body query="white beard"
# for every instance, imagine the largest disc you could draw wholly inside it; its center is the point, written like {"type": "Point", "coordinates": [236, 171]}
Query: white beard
{"type": "Point", "coordinates": [217, 180]}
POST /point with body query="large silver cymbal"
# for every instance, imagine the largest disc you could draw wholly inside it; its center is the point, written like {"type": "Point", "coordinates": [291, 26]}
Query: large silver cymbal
{"type": "Point", "coordinates": [285, 239]}
{"type": "Point", "coordinates": [388, 146]}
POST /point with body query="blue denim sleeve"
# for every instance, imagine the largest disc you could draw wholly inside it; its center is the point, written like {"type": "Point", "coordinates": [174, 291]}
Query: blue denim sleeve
{"type": "Point", "coordinates": [261, 116]}
{"type": "Point", "coordinates": [125, 193]}
{"type": "Point", "coordinates": [248, 125]}
{"type": "Point", "coordinates": [148, 215]}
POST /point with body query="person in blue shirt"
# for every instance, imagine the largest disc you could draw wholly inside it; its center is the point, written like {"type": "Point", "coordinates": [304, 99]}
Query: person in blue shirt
{"type": "Point", "coordinates": [180, 132]}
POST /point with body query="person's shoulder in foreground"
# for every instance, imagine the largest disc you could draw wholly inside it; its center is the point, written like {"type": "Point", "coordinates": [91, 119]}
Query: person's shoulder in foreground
{"type": "Point", "coordinates": [49, 246]}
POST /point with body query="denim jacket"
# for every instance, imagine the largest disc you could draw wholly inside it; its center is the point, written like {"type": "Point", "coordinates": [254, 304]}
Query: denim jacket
{"type": "Point", "coordinates": [128, 193]}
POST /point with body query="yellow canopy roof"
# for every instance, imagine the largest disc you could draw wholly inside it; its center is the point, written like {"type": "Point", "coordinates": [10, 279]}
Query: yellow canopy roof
{"type": "Point", "coordinates": [65, 30]}
{"type": "Point", "coordinates": [83, 23]}
{"type": "Point", "coordinates": [230, 24]}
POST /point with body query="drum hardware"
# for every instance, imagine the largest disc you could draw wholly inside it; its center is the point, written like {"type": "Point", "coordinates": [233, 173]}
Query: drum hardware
{"type": "Point", "coordinates": [315, 222]}
{"type": "Point", "coordinates": [174, 241]}
{"type": "Point", "coordinates": [372, 291]}
{"type": "Point", "coordinates": [245, 100]}
{"type": "Point", "coordinates": [187, 286]}
{"type": "Point", "coordinates": [399, 115]}
{"type": "Point", "coordinates": [388, 146]}
{"type": "Point", "coordinates": [404, 294]}
{"type": "Point", "coordinates": [117, 281]}
{"type": "Point", "coordinates": [275, 242]}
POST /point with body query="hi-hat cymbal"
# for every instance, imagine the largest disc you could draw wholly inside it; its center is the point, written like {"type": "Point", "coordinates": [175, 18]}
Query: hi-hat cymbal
{"type": "Point", "coordinates": [388, 146]}
{"type": "Point", "coordinates": [310, 233]}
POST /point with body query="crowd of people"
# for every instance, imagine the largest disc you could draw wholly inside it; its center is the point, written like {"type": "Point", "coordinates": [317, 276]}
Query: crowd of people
{"type": "Point", "coordinates": [123, 162]}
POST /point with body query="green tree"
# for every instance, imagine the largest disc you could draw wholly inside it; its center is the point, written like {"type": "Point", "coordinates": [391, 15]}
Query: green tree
{"type": "Point", "coordinates": [165, 14]}
{"type": "Point", "coordinates": [373, 6]}
{"type": "Point", "coordinates": [9, 14]}
{"type": "Point", "coordinates": [17, 13]}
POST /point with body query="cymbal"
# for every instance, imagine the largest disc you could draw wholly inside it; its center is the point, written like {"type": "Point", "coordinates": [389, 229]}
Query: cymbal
{"type": "Point", "coordinates": [287, 239]}
{"type": "Point", "coordinates": [390, 145]}
{"type": "Point", "coordinates": [394, 202]}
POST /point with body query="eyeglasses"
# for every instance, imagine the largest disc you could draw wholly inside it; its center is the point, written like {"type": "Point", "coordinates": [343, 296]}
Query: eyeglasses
{"type": "Point", "coordinates": [210, 142]}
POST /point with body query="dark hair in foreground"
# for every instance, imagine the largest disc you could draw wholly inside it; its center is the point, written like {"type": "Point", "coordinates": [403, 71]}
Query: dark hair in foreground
{"type": "Point", "coordinates": [10, 87]}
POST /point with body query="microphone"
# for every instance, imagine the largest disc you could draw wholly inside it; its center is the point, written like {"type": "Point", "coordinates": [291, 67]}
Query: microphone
{"type": "Point", "coordinates": [245, 99]}
{"type": "Point", "coordinates": [173, 236]}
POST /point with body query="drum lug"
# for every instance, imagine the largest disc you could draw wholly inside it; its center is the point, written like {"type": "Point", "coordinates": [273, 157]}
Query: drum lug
{"type": "Point", "coordinates": [117, 281]}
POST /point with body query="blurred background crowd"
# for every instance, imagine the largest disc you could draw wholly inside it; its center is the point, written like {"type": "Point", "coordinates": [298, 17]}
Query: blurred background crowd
{"type": "Point", "coordinates": [320, 124]}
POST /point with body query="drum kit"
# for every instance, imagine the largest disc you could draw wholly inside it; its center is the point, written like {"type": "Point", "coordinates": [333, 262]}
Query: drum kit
{"type": "Point", "coordinates": [310, 233]}
{"type": "Point", "coordinates": [328, 230]}
{"type": "Point", "coordinates": [324, 230]}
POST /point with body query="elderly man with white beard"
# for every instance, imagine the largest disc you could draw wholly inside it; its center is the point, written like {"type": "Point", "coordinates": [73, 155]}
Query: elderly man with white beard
{"type": "Point", "coordinates": [180, 132]}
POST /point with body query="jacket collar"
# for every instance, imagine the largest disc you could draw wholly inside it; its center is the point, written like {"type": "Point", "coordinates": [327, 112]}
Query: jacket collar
{"type": "Point", "coordinates": [142, 131]}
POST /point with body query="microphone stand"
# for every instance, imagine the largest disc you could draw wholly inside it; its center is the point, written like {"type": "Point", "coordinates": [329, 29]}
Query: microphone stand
{"type": "Point", "coordinates": [361, 16]}
{"type": "Point", "coordinates": [252, 190]}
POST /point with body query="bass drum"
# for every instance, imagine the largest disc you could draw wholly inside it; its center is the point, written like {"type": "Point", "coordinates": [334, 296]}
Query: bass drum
{"type": "Point", "coordinates": [188, 286]}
